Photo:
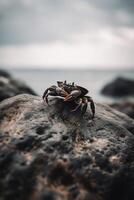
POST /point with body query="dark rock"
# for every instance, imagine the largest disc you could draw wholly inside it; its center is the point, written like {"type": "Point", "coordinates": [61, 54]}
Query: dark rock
{"type": "Point", "coordinates": [4, 73]}
{"type": "Point", "coordinates": [10, 87]}
{"type": "Point", "coordinates": [119, 87]}
{"type": "Point", "coordinates": [50, 153]}
{"type": "Point", "coordinates": [125, 106]}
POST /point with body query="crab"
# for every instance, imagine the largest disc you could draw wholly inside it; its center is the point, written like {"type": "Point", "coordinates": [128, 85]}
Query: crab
{"type": "Point", "coordinates": [70, 92]}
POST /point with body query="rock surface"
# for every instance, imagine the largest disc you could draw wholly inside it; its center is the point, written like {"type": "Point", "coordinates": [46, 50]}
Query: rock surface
{"type": "Point", "coordinates": [50, 153]}
{"type": "Point", "coordinates": [10, 87]}
{"type": "Point", "coordinates": [119, 87]}
{"type": "Point", "coordinates": [125, 106]}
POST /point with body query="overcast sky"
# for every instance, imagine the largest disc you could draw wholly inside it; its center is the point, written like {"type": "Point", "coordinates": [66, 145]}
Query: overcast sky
{"type": "Point", "coordinates": [67, 33]}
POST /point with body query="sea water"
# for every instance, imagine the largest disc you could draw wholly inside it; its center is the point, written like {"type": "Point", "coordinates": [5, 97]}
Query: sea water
{"type": "Point", "coordinates": [93, 80]}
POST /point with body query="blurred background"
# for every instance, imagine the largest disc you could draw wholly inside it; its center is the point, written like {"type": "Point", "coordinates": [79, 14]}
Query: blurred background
{"type": "Point", "coordinates": [90, 42]}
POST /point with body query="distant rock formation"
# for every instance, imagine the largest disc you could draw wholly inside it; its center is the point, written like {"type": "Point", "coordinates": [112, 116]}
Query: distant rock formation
{"type": "Point", "coordinates": [10, 87]}
{"type": "Point", "coordinates": [4, 73]}
{"type": "Point", "coordinates": [119, 87]}
{"type": "Point", "coordinates": [50, 153]}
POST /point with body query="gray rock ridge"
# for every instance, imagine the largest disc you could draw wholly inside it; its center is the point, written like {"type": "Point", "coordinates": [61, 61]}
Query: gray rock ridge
{"type": "Point", "coordinates": [126, 106]}
{"type": "Point", "coordinates": [10, 86]}
{"type": "Point", "coordinates": [48, 152]}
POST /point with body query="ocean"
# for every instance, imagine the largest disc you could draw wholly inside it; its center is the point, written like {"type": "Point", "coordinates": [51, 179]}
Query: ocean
{"type": "Point", "coordinates": [93, 80]}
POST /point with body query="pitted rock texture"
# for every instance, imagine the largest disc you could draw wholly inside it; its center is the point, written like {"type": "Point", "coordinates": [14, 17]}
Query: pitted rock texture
{"type": "Point", "coordinates": [50, 153]}
{"type": "Point", "coordinates": [119, 87]}
{"type": "Point", "coordinates": [10, 87]}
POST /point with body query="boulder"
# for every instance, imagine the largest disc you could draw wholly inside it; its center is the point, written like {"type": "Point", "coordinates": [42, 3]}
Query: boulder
{"type": "Point", "coordinates": [10, 87]}
{"type": "Point", "coordinates": [119, 87]}
{"type": "Point", "coordinates": [50, 153]}
{"type": "Point", "coordinates": [4, 73]}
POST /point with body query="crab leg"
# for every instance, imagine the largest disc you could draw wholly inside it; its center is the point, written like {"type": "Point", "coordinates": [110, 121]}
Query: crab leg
{"type": "Point", "coordinates": [51, 93]}
{"type": "Point", "coordinates": [84, 105]}
{"type": "Point", "coordinates": [45, 93]}
{"type": "Point", "coordinates": [92, 105]}
{"type": "Point", "coordinates": [79, 104]}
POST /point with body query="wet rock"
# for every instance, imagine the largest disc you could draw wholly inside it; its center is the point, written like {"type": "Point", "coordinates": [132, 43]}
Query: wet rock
{"type": "Point", "coordinates": [10, 87]}
{"type": "Point", "coordinates": [50, 153]}
{"type": "Point", "coordinates": [125, 106]}
{"type": "Point", "coordinates": [119, 87]}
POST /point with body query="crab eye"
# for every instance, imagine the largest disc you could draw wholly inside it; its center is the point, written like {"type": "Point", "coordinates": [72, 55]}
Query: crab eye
{"type": "Point", "coordinates": [60, 83]}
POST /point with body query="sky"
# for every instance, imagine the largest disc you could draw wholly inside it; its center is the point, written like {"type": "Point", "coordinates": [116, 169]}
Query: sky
{"type": "Point", "coordinates": [67, 33]}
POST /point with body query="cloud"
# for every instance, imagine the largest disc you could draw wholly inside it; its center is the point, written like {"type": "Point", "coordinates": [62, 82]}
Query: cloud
{"type": "Point", "coordinates": [66, 32]}
{"type": "Point", "coordinates": [110, 51]}
{"type": "Point", "coordinates": [48, 21]}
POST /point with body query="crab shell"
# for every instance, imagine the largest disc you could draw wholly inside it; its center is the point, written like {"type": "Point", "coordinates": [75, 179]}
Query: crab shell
{"type": "Point", "coordinates": [70, 87]}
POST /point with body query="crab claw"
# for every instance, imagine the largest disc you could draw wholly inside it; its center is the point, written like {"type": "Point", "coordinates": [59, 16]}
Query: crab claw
{"type": "Point", "coordinates": [61, 92]}
{"type": "Point", "coordinates": [73, 95]}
